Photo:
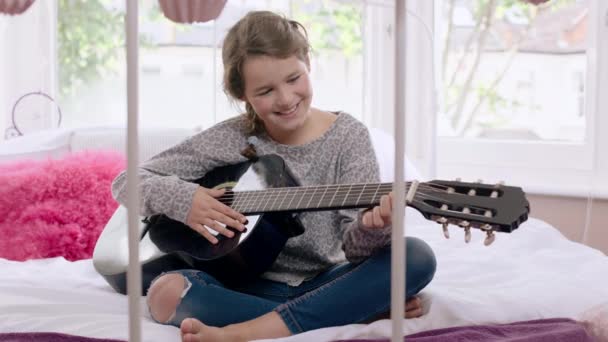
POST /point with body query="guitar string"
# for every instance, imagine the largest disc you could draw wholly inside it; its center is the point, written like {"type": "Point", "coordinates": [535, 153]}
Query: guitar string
{"type": "Point", "coordinates": [255, 202]}
{"type": "Point", "coordinates": [474, 216]}
{"type": "Point", "coordinates": [283, 193]}
{"type": "Point", "coordinates": [258, 196]}
{"type": "Point", "coordinates": [246, 198]}
{"type": "Point", "coordinates": [273, 192]}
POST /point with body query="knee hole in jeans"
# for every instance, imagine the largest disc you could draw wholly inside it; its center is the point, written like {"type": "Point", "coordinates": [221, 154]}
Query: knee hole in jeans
{"type": "Point", "coordinates": [165, 294]}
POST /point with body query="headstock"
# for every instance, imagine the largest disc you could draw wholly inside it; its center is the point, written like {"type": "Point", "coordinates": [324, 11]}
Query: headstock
{"type": "Point", "coordinates": [490, 208]}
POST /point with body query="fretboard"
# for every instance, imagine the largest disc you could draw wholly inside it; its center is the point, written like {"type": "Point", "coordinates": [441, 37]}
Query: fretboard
{"type": "Point", "coordinates": [322, 197]}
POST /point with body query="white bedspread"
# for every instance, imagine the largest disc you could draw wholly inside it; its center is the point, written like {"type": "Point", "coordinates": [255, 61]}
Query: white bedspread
{"type": "Point", "coordinates": [530, 274]}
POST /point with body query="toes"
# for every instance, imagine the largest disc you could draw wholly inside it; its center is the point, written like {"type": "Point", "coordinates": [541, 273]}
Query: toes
{"type": "Point", "coordinates": [191, 326]}
{"type": "Point", "coordinates": [413, 313]}
{"type": "Point", "coordinates": [413, 303]}
{"type": "Point", "coordinates": [413, 308]}
{"type": "Point", "coordinates": [189, 338]}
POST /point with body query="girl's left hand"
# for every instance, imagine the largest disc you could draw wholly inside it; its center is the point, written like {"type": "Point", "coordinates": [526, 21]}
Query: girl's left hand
{"type": "Point", "coordinates": [379, 216]}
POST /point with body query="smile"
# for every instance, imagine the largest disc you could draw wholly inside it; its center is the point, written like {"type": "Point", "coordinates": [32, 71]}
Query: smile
{"type": "Point", "coordinates": [290, 111]}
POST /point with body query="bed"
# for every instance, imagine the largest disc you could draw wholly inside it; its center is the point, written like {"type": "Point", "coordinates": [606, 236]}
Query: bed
{"type": "Point", "coordinates": [533, 273]}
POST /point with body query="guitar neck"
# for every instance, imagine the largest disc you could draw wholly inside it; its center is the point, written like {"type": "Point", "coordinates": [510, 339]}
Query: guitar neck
{"type": "Point", "coordinates": [317, 198]}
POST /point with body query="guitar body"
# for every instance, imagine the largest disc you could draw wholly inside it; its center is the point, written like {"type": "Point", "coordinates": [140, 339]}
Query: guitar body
{"type": "Point", "coordinates": [167, 244]}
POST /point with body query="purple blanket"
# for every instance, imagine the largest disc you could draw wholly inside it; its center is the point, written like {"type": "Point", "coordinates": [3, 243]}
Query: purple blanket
{"type": "Point", "coordinates": [48, 337]}
{"type": "Point", "coordinates": [546, 330]}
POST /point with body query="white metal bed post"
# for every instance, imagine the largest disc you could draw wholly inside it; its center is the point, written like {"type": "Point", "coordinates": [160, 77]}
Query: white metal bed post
{"type": "Point", "coordinates": [134, 270]}
{"type": "Point", "coordinates": [398, 250]}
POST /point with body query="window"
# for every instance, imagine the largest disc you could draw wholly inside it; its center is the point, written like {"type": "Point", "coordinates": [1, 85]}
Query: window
{"type": "Point", "coordinates": [527, 129]}
{"type": "Point", "coordinates": [507, 92]}
{"type": "Point", "coordinates": [84, 68]}
{"type": "Point", "coordinates": [504, 66]}
{"type": "Point", "coordinates": [519, 93]}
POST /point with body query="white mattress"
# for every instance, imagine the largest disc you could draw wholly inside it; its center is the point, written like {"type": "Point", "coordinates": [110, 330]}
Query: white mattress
{"type": "Point", "coordinates": [530, 274]}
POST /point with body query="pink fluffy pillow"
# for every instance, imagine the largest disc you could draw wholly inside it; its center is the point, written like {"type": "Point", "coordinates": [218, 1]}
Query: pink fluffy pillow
{"type": "Point", "coordinates": [56, 207]}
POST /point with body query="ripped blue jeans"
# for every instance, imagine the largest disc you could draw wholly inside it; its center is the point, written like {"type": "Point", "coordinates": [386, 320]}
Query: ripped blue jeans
{"type": "Point", "coordinates": [345, 294]}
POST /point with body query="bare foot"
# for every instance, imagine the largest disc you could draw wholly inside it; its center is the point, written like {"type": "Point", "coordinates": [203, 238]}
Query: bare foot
{"type": "Point", "coordinates": [193, 330]}
{"type": "Point", "coordinates": [413, 308]}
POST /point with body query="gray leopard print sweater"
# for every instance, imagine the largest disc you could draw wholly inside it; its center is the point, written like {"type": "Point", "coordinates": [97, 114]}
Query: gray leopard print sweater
{"type": "Point", "coordinates": [342, 155]}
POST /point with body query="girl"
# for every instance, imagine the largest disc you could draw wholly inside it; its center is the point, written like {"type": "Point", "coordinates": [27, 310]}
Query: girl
{"type": "Point", "coordinates": [338, 271]}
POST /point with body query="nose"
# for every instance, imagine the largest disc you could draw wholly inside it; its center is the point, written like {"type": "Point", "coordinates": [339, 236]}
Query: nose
{"type": "Point", "coordinates": [283, 98]}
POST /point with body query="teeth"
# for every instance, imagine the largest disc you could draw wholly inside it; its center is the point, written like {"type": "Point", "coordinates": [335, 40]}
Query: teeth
{"type": "Point", "coordinates": [289, 111]}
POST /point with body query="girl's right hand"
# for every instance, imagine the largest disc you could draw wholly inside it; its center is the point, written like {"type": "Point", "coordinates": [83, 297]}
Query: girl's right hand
{"type": "Point", "coordinates": [209, 213]}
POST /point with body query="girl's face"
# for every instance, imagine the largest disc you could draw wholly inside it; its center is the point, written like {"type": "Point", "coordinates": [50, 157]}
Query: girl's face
{"type": "Point", "coordinates": [280, 92]}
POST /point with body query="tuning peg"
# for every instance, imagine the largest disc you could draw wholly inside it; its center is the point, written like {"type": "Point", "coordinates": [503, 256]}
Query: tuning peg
{"type": "Point", "coordinates": [464, 224]}
{"type": "Point", "coordinates": [486, 227]}
{"type": "Point", "coordinates": [467, 234]}
{"type": "Point", "coordinates": [458, 179]}
{"type": "Point", "coordinates": [490, 237]}
{"type": "Point", "coordinates": [442, 220]}
{"type": "Point", "coordinates": [494, 194]}
{"type": "Point", "coordinates": [472, 192]}
{"type": "Point", "coordinates": [451, 190]}
{"type": "Point", "coordinates": [499, 184]}
{"type": "Point", "coordinates": [446, 232]}
{"type": "Point", "coordinates": [487, 213]}
{"type": "Point", "coordinates": [444, 207]}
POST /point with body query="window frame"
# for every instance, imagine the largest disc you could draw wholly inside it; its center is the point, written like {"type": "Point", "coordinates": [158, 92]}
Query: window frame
{"type": "Point", "coordinates": [583, 167]}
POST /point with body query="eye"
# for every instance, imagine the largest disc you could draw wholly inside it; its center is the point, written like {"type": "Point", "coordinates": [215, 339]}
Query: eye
{"type": "Point", "coordinates": [293, 79]}
{"type": "Point", "coordinates": [265, 92]}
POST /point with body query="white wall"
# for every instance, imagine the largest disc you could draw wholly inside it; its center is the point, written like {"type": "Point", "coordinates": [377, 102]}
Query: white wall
{"type": "Point", "coordinates": [27, 46]}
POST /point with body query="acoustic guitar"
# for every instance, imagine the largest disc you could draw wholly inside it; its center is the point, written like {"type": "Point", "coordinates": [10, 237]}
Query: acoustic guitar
{"type": "Point", "coordinates": [266, 192]}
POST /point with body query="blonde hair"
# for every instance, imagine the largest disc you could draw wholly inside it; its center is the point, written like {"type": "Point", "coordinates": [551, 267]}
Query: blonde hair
{"type": "Point", "coordinates": [259, 33]}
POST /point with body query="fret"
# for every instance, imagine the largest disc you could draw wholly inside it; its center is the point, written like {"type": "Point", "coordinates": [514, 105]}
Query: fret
{"type": "Point", "coordinates": [278, 197]}
{"type": "Point", "coordinates": [375, 193]}
{"type": "Point", "coordinates": [265, 194]}
{"type": "Point", "coordinates": [347, 193]}
{"type": "Point", "coordinates": [242, 201]}
{"type": "Point", "coordinates": [314, 190]}
{"type": "Point", "coordinates": [272, 195]}
{"type": "Point", "coordinates": [293, 195]}
{"type": "Point", "coordinates": [300, 201]}
{"type": "Point", "coordinates": [322, 196]}
{"type": "Point", "coordinates": [360, 193]}
{"type": "Point", "coordinates": [251, 201]}
{"type": "Point", "coordinates": [236, 202]}
{"type": "Point", "coordinates": [284, 193]}
{"type": "Point", "coordinates": [334, 196]}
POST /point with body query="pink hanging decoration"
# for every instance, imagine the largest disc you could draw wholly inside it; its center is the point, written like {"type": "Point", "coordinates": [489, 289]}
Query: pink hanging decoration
{"type": "Point", "coordinates": [190, 11]}
{"type": "Point", "coordinates": [14, 7]}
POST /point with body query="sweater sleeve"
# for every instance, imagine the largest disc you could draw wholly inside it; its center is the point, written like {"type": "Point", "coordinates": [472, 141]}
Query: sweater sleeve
{"type": "Point", "coordinates": [165, 181]}
{"type": "Point", "coordinates": [358, 165]}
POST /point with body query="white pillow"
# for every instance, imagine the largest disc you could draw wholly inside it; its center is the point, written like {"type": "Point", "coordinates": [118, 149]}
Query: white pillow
{"type": "Point", "coordinates": [58, 142]}
{"type": "Point", "coordinates": [40, 145]}
{"type": "Point", "coordinates": [384, 147]}
{"type": "Point", "coordinates": [151, 140]}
